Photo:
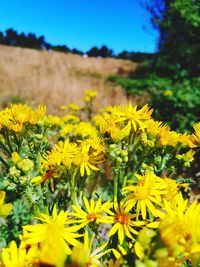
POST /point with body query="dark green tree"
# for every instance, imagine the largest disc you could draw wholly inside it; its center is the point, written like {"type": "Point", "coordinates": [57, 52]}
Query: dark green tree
{"type": "Point", "coordinates": [93, 52]}
{"type": "Point", "coordinates": [178, 22]}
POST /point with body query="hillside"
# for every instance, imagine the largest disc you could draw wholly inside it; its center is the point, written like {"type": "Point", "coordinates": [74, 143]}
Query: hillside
{"type": "Point", "coordinates": [56, 78]}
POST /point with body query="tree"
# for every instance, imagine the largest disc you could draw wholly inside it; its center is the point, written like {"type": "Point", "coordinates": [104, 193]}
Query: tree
{"type": "Point", "coordinates": [105, 52]}
{"type": "Point", "coordinates": [10, 37]}
{"type": "Point", "coordinates": [93, 52]}
{"type": "Point", "coordinates": [1, 38]}
{"type": "Point", "coordinates": [178, 22]}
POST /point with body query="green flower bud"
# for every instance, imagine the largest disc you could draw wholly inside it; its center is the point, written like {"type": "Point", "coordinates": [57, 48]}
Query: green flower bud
{"type": "Point", "coordinates": [25, 165]}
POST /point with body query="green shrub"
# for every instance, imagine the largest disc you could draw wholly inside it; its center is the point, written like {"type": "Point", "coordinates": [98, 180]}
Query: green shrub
{"type": "Point", "coordinates": [176, 102]}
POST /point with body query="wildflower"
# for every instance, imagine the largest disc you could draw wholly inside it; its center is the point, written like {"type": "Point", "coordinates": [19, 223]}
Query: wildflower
{"type": "Point", "coordinates": [52, 233]}
{"type": "Point", "coordinates": [134, 117]}
{"type": "Point", "coordinates": [168, 93]}
{"type": "Point", "coordinates": [196, 135]}
{"type": "Point", "coordinates": [82, 129]}
{"type": "Point", "coordinates": [62, 154]}
{"type": "Point", "coordinates": [153, 127]}
{"type": "Point", "coordinates": [186, 140]}
{"type": "Point", "coordinates": [123, 222]}
{"type": "Point", "coordinates": [88, 158]}
{"type": "Point", "coordinates": [167, 137]}
{"type": "Point", "coordinates": [116, 263]}
{"type": "Point", "coordinates": [83, 255]}
{"type": "Point", "coordinates": [89, 95]}
{"type": "Point", "coordinates": [146, 195]}
{"type": "Point", "coordinates": [15, 157]}
{"type": "Point", "coordinates": [5, 209]}
{"type": "Point", "coordinates": [86, 129]}
{"type": "Point", "coordinates": [179, 228]}
{"type": "Point", "coordinates": [93, 213]}
{"type": "Point", "coordinates": [52, 120]}
{"type": "Point", "coordinates": [18, 257]}
{"type": "Point", "coordinates": [71, 119]}
{"type": "Point", "coordinates": [74, 108]}
{"type": "Point", "coordinates": [171, 189]}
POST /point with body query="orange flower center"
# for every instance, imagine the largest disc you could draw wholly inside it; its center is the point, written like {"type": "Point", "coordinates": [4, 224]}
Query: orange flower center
{"type": "Point", "coordinates": [92, 217]}
{"type": "Point", "coordinates": [49, 174]}
{"type": "Point", "coordinates": [122, 218]}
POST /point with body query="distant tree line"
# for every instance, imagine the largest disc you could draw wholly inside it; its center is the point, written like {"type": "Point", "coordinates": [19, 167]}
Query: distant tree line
{"type": "Point", "coordinates": [12, 38]}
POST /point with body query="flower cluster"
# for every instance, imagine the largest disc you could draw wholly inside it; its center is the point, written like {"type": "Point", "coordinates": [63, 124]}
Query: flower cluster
{"type": "Point", "coordinates": [111, 189]}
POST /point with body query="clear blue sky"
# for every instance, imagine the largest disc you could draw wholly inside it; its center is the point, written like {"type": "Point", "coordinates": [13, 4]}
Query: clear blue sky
{"type": "Point", "coordinates": [81, 24]}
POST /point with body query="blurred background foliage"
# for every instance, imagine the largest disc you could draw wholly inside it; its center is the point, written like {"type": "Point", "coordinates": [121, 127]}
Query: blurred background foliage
{"type": "Point", "coordinates": [172, 76]}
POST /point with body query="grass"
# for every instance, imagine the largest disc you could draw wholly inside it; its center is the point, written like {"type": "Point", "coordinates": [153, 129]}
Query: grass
{"type": "Point", "coordinates": [57, 78]}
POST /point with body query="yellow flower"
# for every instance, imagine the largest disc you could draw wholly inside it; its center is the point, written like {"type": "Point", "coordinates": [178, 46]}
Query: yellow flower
{"type": "Point", "coordinates": [71, 118]}
{"type": "Point", "coordinates": [146, 195]}
{"type": "Point", "coordinates": [89, 95]}
{"type": "Point", "coordinates": [186, 140]}
{"type": "Point", "coordinates": [196, 135]}
{"type": "Point", "coordinates": [168, 93]}
{"type": "Point", "coordinates": [49, 175]}
{"type": "Point", "coordinates": [116, 263]}
{"type": "Point", "coordinates": [18, 257]}
{"type": "Point", "coordinates": [53, 120]}
{"type": "Point", "coordinates": [180, 229]}
{"type": "Point", "coordinates": [93, 213]}
{"type": "Point", "coordinates": [83, 255]}
{"type": "Point", "coordinates": [73, 107]}
{"type": "Point", "coordinates": [5, 209]}
{"type": "Point", "coordinates": [167, 137]}
{"type": "Point", "coordinates": [86, 129]}
{"type": "Point", "coordinates": [82, 129]}
{"type": "Point", "coordinates": [171, 188]}
{"type": "Point", "coordinates": [123, 222]}
{"type": "Point", "coordinates": [52, 233]}
{"type": "Point", "coordinates": [17, 116]}
{"type": "Point", "coordinates": [15, 157]}
{"type": "Point", "coordinates": [62, 154]}
{"type": "Point", "coordinates": [88, 158]}
{"type": "Point", "coordinates": [153, 127]}
{"type": "Point", "coordinates": [134, 117]}
{"type": "Point", "coordinates": [56, 161]}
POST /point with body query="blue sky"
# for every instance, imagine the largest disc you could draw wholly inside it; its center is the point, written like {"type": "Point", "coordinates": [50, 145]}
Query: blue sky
{"type": "Point", "coordinates": [81, 24]}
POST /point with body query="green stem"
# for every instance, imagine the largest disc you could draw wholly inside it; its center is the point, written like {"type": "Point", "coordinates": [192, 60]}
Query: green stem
{"type": "Point", "coordinates": [4, 163]}
{"type": "Point", "coordinates": [6, 135]}
{"type": "Point", "coordinates": [6, 150]}
{"type": "Point", "coordinates": [124, 181]}
{"type": "Point", "coordinates": [17, 142]}
{"type": "Point", "coordinates": [74, 188]}
{"type": "Point", "coordinates": [116, 180]}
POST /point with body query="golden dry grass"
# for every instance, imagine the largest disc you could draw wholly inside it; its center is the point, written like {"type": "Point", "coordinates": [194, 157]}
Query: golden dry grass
{"type": "Point", "coordinates": [56, 78]}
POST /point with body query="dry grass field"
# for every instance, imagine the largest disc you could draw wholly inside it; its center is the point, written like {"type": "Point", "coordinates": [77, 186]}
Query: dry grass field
{"type": "Point", "coordinates": [56, 78]}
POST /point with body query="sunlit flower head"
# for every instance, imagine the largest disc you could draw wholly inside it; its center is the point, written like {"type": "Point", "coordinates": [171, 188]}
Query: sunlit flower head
{"type": "Point", "coordinates": [146, 195]}
{"type": "Point", "coordinates": [87, 159]}
{"type": "Point", "coordinates": [180, 229]}
{"type": "Point", "coordinates": [17, 116]}
{"type": "Point", "coordinates": [137, 118]}
{"type": "Point", "coordinates": [124, 222]}
{"type": "Point", "coordinates": [14, 256]}
{"type": "Point", "coordinates": [53, 232]}
{"type": "Point", "coordinates": [93, 213]}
